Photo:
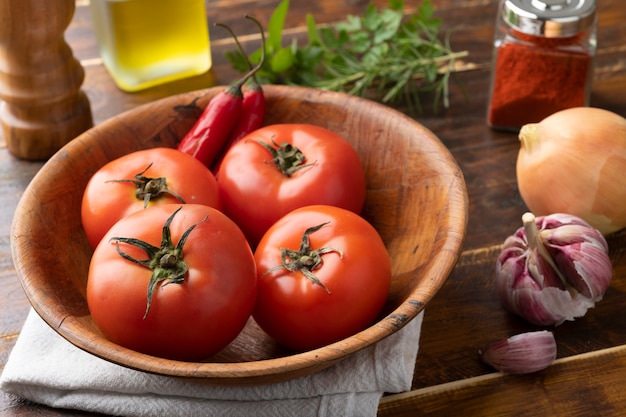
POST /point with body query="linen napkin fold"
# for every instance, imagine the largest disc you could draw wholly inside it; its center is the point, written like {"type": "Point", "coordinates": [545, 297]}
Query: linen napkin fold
{"type": "Point", "coordinates": [45, 368]}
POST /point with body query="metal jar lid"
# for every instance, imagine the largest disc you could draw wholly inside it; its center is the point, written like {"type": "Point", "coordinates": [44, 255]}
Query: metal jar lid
{"type": "Point", "coordinates": [549, 18]}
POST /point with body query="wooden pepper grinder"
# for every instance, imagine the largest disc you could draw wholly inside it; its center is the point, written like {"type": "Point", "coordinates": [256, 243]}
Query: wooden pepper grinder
{"type": "Point", "coordinates": [42, 106]}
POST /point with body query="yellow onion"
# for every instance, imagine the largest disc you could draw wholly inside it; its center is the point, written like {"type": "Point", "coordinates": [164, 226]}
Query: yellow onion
{"type": "Point", "coordinates": [574, 161]}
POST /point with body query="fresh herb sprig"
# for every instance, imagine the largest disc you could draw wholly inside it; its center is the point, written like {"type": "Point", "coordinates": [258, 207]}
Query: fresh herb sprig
{"type": "Point", "coordinates": [382, 52]}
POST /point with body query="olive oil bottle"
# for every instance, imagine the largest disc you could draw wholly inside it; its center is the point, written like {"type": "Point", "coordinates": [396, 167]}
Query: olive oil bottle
{"type": "Point", "coordinates": [144, 43]}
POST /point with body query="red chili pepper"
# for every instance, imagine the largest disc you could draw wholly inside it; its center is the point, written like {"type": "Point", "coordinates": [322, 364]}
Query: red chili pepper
{"type": "Point", "coordinates": [213, 128]}
{"type": "Point", "coordinates": [251, 118]}
{"type": "Point", "coordinates": [252, 113]}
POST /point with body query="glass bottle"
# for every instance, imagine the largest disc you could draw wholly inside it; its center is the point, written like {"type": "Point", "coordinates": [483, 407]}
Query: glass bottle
{"type": "Point", "coordinates": [144, 43]}
{"type": "Point", "coordinates": [542, 60]}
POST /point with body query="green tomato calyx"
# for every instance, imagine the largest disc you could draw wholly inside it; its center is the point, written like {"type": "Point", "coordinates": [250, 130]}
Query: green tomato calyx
{"type": "Point", "coordinates": [287, 158]}
{"type": "Point", "coordinates": [305, 259]}
{"type": "Point", "coordinates": [166, 262]}
{"type": "Point", "coordinates": [150, 188]}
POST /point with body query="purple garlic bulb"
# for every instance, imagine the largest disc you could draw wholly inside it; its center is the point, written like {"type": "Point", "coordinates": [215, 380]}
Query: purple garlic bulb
{"type": "Point", "coordinates": [553, 269]}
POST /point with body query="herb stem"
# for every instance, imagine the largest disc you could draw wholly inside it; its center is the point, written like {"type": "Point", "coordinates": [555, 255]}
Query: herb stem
{"type": "Point", "coordinates": [383, 50]}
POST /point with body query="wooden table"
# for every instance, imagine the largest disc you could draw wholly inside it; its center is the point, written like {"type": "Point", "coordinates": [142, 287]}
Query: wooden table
{"type": "Point", "coordinates": [589, 376]}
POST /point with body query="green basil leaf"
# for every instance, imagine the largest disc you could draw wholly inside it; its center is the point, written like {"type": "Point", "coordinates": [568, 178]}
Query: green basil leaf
{"type": "Point", "coordinates": [276, 26]}
{"type": "Point", "coordinates": [282, 60]}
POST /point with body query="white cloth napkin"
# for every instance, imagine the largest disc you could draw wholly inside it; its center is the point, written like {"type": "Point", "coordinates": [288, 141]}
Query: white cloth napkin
{"type": "Point", "coordinates": [45, 368]}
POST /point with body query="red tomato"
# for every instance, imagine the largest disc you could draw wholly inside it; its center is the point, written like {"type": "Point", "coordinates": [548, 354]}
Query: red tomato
{"type": "Point", "coordinates": [354, 278]}
{"type": "Point", "coordinates": [255, 192]}
{"type": "Point", "coordinates": [187, 320]}
{"type": "Point", "coordinates": [106, 199]}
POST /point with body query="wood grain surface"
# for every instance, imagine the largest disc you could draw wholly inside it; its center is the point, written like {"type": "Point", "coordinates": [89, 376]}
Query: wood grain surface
{"type": "Point", "coordinates": [586, 380]}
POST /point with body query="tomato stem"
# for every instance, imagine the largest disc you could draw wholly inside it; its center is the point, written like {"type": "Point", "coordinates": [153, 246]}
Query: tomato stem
{"type": "Point", "coordinates": [148, 189]}
{"type": "Point", "coordinates": [305, 259]}
{"type": "Point", "coordinates": [286, 157]}
{"type": "Point", "coordinates": [166, 262]}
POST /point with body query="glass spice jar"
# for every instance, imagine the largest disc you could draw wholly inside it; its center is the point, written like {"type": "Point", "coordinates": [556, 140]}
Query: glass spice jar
{"type": "Point", "coordinates": [542, 60]}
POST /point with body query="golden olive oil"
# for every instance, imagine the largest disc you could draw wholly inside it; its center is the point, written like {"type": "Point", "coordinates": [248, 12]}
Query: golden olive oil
{"type": "Point", "coordinates": [149, 42]}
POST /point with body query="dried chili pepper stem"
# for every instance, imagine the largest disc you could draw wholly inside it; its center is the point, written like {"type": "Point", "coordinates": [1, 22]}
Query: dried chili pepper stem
{"type": "Point", "coordinates": [211, 131]}
{"type": "Point", "coordinates": [305, 259]}
{"type": "Point", "coordinates": [253, 106]}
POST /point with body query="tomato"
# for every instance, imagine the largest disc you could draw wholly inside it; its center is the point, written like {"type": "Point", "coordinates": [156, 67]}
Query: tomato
{"type": "Point", "coordinates": [354, 277]}
{"type": "Point", "coordinates": [321, 168]}
{"type": "Point", "coordinates": [205, 293]}
{"type": "Point", "coordinates": [112, 192]}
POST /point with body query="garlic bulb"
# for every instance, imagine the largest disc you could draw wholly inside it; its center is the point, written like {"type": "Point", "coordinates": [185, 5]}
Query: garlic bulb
{"type": "Point", "coordinates": [553, 269]}
{"type": "Point", "coordinates": [522, 354]}
{"type": "Point", "coordinates": [574, 161]}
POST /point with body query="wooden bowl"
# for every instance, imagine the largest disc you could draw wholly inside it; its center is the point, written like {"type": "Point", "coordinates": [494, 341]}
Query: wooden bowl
{"type": "Point", "coordinates": [416, 199]}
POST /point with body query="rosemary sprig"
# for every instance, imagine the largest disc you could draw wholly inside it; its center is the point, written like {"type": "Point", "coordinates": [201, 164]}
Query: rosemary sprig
{"type": "Point", "coordinates": [382, 52]}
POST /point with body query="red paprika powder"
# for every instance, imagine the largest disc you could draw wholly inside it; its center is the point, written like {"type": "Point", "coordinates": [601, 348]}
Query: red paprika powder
{"type": "Point", "coordinates": [543, 60]}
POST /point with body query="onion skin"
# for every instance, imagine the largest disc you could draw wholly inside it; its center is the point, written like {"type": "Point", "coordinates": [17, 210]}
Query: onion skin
{"type": "Point", "coordinates": [574, 161]}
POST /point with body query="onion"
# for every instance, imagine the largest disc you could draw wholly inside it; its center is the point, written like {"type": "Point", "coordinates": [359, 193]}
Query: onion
{"type": "Point", "coordinates": [574, 161]}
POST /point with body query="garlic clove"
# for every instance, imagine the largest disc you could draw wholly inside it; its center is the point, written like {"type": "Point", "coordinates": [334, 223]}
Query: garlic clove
{"type": "Point", "coordinates": [581, 254]}
{"type": "Point", "coordinates": [542, 271]}
{"type": "Point", "coordinates": [522, 354]}
{"type": "Point", "coordinates": [544, 307]}
{"type": "Point", "coordinates": [586, 268]}
{"type": "Point", "coordinates": [566, 234]}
